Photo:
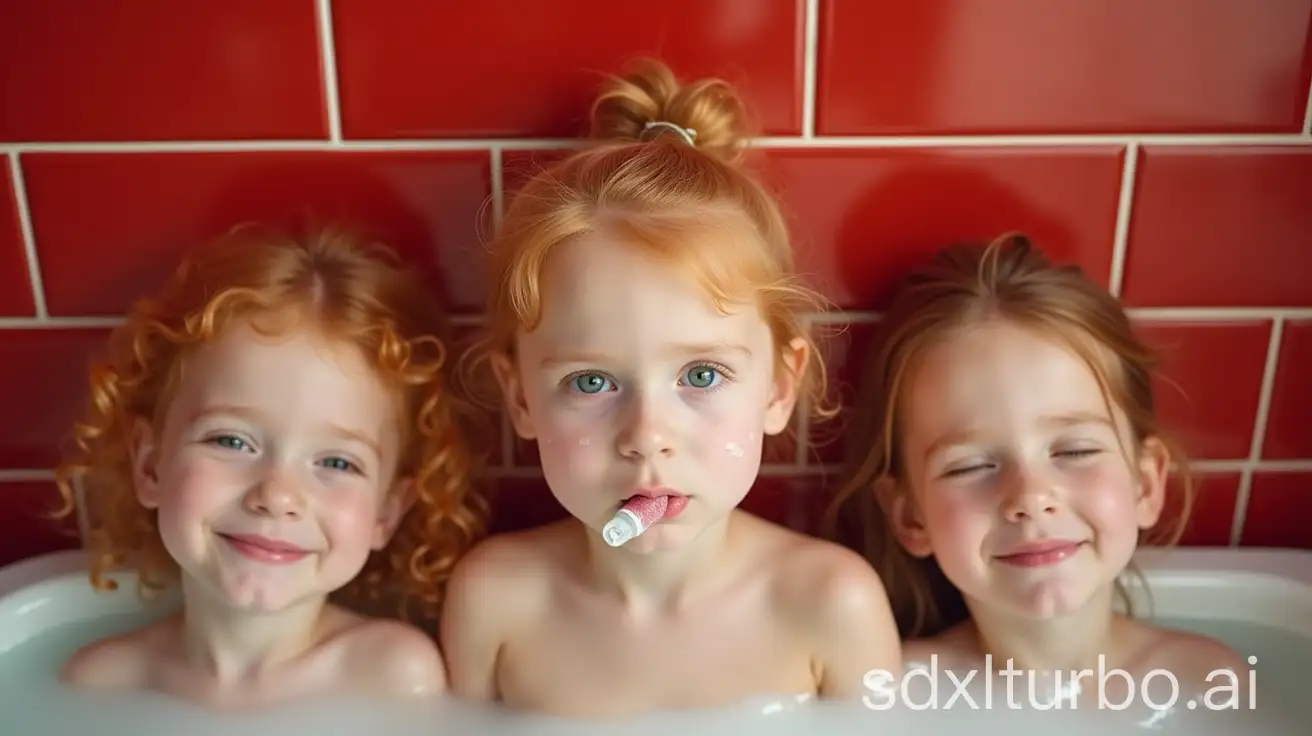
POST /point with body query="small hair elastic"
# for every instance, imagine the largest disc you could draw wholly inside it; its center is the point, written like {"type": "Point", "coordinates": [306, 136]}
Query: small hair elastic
{"type": "Point", "coordinates": [688, 135]}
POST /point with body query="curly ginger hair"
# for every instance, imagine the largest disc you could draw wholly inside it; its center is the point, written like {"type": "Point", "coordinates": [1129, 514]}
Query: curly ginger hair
{"type": "Point", "coordinates": [352, 290]}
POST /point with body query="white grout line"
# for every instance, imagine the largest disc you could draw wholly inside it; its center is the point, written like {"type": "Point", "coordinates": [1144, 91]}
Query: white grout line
{"type": "Point", "coordinates": [1009, 141]}
{"type": "Point", "coordinates": [1241, 507]}
{"type": "Point", "coordinates": [1151, 314]}
{"type": "Point", "coordinates": [1259, 428]}
{"type": "Point", "coordinates": [1307, 115]}
{"type": "Point", "coordinates": [810, 63]}
{"type": "Point", "coordinates": [466, 320]}
{"type": "Point", "coordinates": [26, 476]}
{"type": "Point", "coordinates": [498, 187]}
{"type": "Point", "coordinates": [328, 60]}
{"type": "Point", "coordinates": [1260, 466]}
{"type": "Point", "coordinates": [29, 237]}
{"type": "Point", "coordinates": [532, 144]}
{"type": "Point", "coordinates": [1232, 314]}
{"type": "Point", "coordinates": [1268, 388]}
{"type": "Point", "coordinates": [58, 323]}
{"type": "Point", "coordinates": [1124, 209]}
{"type": "Point", "coordinates": [843, 318]}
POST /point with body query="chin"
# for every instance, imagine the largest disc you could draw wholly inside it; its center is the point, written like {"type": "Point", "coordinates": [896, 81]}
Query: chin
{"type": "Point", "coordinates": [1053, 600]}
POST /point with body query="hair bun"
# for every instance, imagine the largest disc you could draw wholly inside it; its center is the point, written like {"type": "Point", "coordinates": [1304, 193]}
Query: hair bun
{"type": "Point", "coordinates": [649, 102]}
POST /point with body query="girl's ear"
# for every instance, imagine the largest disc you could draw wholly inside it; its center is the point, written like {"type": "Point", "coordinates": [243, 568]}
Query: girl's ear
{"type": "Point", "coordinates": [145, 460]}
{"type": "Point", "coordinates": [394, 508]}
{"type": "Point", "coordinates": [787, 385]}
{"type": "Point", "coordinates": [1154, 470]}
{"type": "Point", "coordinates": [512, 389]}
{"type": "Point", "coordinates": [904, 517]}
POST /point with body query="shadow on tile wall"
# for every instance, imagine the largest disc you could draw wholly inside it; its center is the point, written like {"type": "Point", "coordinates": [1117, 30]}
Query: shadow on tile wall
{"type": "Point", "coordinates": [1164, 146]}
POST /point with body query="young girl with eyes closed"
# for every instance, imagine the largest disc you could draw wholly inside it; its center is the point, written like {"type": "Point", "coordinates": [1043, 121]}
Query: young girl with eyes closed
{"type": "Point", "coordinates": [274, 427]}
{"type": "Point", "coordinates": [645, 330]}
{"type": "Point", "coordinates": [1006, 445]}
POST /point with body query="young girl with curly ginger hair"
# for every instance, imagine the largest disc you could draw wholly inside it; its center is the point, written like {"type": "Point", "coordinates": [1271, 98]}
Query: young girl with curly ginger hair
{"type": "Point", "coordinates": [646, 330]}
{"type": "Point", "coordinates": [274, 427]}
{"type": "Point", "coordinates": [1006, 455]}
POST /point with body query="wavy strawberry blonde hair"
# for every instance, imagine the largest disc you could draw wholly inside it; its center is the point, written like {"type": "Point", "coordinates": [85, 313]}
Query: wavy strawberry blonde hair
{"type": "Point", "coordinates": [351, 289]}
{"type": "Point", "coordinates": [963, 287]}
{"type": "Point", "coordinates": [692, 206]}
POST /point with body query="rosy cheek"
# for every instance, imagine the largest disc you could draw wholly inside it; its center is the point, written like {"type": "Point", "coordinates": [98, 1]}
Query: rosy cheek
{"type": "Point", "coordinates": [349, 519]}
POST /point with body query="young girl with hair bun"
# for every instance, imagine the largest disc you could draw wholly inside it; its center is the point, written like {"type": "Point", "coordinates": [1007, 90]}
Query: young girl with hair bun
{"type": "Point", "coordinates": [273, 427]}
{"type": "Point", "coordinates": [645, 327]}
{"type": "Point", "coordinates": [1006, 455]}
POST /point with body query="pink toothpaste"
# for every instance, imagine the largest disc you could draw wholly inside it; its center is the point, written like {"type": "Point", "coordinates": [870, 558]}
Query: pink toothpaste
{"type": "Point", "coordinates": [636, 517]}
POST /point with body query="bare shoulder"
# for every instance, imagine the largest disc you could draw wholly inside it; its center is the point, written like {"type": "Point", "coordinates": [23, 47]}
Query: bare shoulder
{"type": "Point", "coordinates": [836, 603]}
{"type": "Point", "coordinates": [830, 585]}
{"type": "Point", "coordinates": [498, 588]}
{"type": "Point", "coordinates": [507, 568]}
{"type": "Point", "coordinates": [119, 662]}
{"type": "Point", "coordinates": [395, 659]}
{"type": "Point", "coordinates": [1198, 660]}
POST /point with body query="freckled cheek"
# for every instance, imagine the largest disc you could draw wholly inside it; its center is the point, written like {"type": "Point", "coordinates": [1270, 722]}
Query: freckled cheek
{"type": "Point", "coordinates": [953, 520]}
{"type": "Point", "coordinates": [195, 490]}
{"type": "Point", "coordinates": [727, 442]}
{"type": "Point", "coordinates": [347, 518]}
{"type": "Point", "coordinates": [1107, 494]}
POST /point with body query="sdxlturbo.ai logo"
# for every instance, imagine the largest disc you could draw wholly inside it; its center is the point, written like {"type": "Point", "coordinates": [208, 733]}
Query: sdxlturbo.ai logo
{"type": "Point", "coordinates": [1159, 689]}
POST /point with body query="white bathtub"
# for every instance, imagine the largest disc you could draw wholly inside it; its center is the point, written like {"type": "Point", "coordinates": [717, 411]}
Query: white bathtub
{"type": "Point", "coordinates": [1258, 600]}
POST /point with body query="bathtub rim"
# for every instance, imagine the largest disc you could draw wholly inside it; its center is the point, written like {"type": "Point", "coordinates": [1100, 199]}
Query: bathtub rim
{"type": "Point", "coordinates": [1273, 586]}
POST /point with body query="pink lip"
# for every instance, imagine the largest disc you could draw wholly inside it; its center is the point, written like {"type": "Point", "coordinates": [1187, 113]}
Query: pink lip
{"type": "Point", "coordinates": [675, 502]}
{"type": "Point", "coordinates": [264, 549]}
{"type": "Point", "coordinates": [1041, 554]}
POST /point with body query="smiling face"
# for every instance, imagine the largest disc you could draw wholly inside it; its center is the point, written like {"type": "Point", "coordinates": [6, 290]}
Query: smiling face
{"type": "Point", "coordinates": [1018, 483]}
{"type": "Point", "coordinates": [634, 381]}
{"type": "Point", "coordinates": [272, 468]}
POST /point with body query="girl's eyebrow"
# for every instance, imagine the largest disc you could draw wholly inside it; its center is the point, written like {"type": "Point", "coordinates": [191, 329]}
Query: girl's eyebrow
{"type": "Point", "coordinates": [676, 350]}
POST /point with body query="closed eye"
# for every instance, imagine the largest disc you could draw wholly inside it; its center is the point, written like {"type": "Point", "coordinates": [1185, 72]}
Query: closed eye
{"type": "Point", "coordinates": [967, 470]}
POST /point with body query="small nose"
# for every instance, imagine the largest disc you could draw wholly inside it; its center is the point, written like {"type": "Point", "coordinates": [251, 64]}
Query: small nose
{"type": "Point", "coordinates": [1029, 496]}
{"type": "Point", "coordinates": [276, 495]}
{"type": "Point", "coordinates": [646, 433]}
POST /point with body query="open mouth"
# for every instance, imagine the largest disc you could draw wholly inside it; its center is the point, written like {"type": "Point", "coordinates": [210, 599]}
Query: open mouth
{"type": "Point", "coordinates": [675, 503]}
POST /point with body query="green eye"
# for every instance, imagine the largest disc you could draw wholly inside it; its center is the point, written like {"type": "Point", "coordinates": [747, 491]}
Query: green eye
{"type": "Point", "coordinates": [702, 376]}
{"type": "Point", "coordinates": [591, 383]}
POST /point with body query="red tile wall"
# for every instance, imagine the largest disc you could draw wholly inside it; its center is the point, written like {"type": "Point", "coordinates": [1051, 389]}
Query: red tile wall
{"type": "Point", "coordinates": [1165, 146]}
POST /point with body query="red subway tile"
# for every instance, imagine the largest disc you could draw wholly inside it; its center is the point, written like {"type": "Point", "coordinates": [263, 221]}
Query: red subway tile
{"type": "Point", "coordinates": [1209, 384]}
{"type": "Point", "coordinates": [523, 503]}
{"type": "Point", "coordinates": [504, 68]}
{"type": "Point", "coordinates": [1079, 66]}
{"type": "Point", "coordinates": [1221, 226]}
{"type": "Point", "coordinates": [1288, 433]}
{"type": "Point", "coordinates": [846, 350]}
{"type": "Point", "coordinates": [43, 387]}
{"type": "Point", "coordinates": [862, 216]}
{"type": "Point", "coordinates": [159, 70]}
{"type": "Point", "coordinates": [1212, 516]}
{"type": "Point", "coordinates": [15, 286]}
{"type": "Point", "coordinates": [110, 227]}
{"type": "Point", "coordinates": [26, 526]}
{"type": "Point", "coordinates": [1279, 505]}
